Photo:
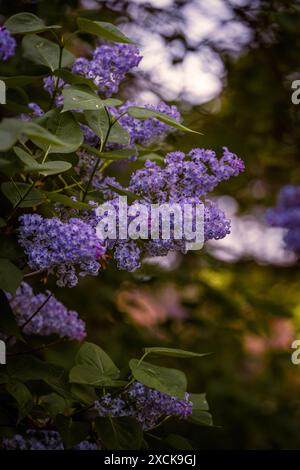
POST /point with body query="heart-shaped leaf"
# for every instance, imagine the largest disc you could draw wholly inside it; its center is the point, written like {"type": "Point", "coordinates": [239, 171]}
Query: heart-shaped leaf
{"type": "Point", "coordinates": [99, 123]}
{"type": "Point", "coordinates": [23, 23]}
{"type": "Point", "coordinates": [119, 433]}
{"type": "Point", "coordinates": [170, 381]}
{"type": "Point", "coordinates": [102, 30]}
{"type": "Point", "coordinates": [42, 51]}
{"type": "Point", "coordinates": [65, 128]}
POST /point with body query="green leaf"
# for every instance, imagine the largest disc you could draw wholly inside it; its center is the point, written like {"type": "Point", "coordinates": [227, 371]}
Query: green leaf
{"type": "Point", "coordinates": [8, 323]}
{"type": "Point", "coordinates": [203, 418]}
{"type": "Point", "coordinates": [99, 123]}
{"type": "Point", "coordinates": [11, 130]}
{"type": "Point", "coordinates": [10, 164]}
{"type": "Point", "coordinates": [23, 23]}
{"type": "Point", "coordinates": [173, 352]}
{"type": "Point", "coordinates": [26, 367]}
{"type": "Point", "coordinates": [54, 167]}
{"type": "Point", "coordinates": [119, 433]}
{"type": "Point", "coordinates": [41, 136]}
{"type": "Point", "coordinates": [42, 51]}
{"type": "Point", "coordinates": [119, 154]}
{"type": "Point", "coordinates": [9, 247]}
{"type": "Point", "coordinates": [153, 157]}
{"type": "Point", "coordinates": [170, 381]}
{"type": "Point", "coordinates": [199, 401]}
{"type": "Point", "coordinates": [17, 192]}
{"type": "Point", "coordinates": [118, 135]}
{"type": "Point", "coordinates": [10, 276]}
{"type": "Point", "coordinates": [103, 30]}
{"type": "Point", "coordinates": [21, 80]}
{"type": "Point", "coordinates": [23, 397]}
{"type": "Point", "coordinates": [72, 432]}
{"type": "Point", "coordinates": [81, 97]}
{"type": "Point", "coordinates": [46, 169]}
{"type": "Point", "coordinates": [92, 355]}
{"type": "Point", "coordinates": [88, 375]}
{"type": "Point", "coordinates": [178, 442]}
{"type": "Point", "coordinates": [94, 367]}
{"type": "Point", "coordinates": [144, 113]}
{"type": "Point", "coordinates": [200, 414]}
{"type": "Point", "coordinates": [113, 154]}
{"type": "Point", "coordinates": [66, 201]}
{"type": "Point", "coordinates": [2, 223]}
{"type": "Point", "coordinates": [74, 79]}
{"type": "Point", "coordinates": [66, 129]}
{"type": "Point", "coordinates": [84, 393]}
{"type": "Point", "coordinates": [53, 404]}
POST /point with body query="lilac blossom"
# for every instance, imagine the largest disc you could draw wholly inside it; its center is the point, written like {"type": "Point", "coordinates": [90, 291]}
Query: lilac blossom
{"type": "Point", "coordinates": [184, 176]}
{"type": "Point", "coordinates": [50, 83]}
{"type": "Point", "coordinates": [52, 318]}
{"type": "Point", "coordinates": [108, 66]}
{"type": "Point", "coordinates": [41, 440]}
{"type": "Point", "coordinates": [36, 111]}
{"type": "Point", "coordinates": [287, 215]}
{"type": "Point", "coordinates": [183, 179]}
{"type": "Point", "coordinates": [7, 44]}
{"type": "Point", "coordinates": [61, 247]}
{"type": "Point", "coordinates": [146, 405]}
{"type": "Point", "coordinates": [147, 130]}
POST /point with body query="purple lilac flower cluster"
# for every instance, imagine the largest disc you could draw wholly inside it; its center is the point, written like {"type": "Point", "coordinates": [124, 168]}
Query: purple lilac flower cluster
{"type": "Point", "coordinates": [183, 179]}
{"type": "Point", "coordinates": [52, 318]}
{"type": "Point", "coordinates": [60, 247]}
{"type": "Point", "coordinates": [146, 405]}
{"type": "Point", "coordinates": [287, 215]}
{"type": "Point", "coordinates": [49, 85]}
{"type": "Point", "coordinates": [184, 176]}
{"type": "Point", "coordinates": [108, 66]}
{"type": "Point", "coordinates": [41, 440]}
{"type": "Point", "coordinates": [145, 131]}
{"type": "Point", "coordinates": [36, 111]}
{"type": "Point", "coordinates": [7, 44]}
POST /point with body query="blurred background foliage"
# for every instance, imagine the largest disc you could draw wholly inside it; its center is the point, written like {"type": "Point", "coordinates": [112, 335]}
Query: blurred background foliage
{"type": "Point", "coordinates": [242, 306]}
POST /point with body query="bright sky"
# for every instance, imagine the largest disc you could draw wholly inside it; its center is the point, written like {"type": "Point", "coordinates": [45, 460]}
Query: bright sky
{"type": "Point", "coordinates": [198, 78]}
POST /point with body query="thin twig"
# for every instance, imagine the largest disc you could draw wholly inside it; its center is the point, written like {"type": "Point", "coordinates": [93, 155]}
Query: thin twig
{"type": "Point", "coordinates": [102, 147]}
{"type": "Point", "coordinates": [33, 273]}
{"type": "Point", "coordinates": [36, 312]}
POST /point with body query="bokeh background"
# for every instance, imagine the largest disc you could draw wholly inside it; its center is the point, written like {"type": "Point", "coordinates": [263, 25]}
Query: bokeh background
{"type": "Point", "coordinates": [228, 65]}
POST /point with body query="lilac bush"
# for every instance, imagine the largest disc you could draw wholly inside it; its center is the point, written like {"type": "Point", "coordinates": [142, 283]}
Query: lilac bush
{"type": "Point", "coordinates": [287, 215]}
{"type": "Point", "coordinates": [57, 173]}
